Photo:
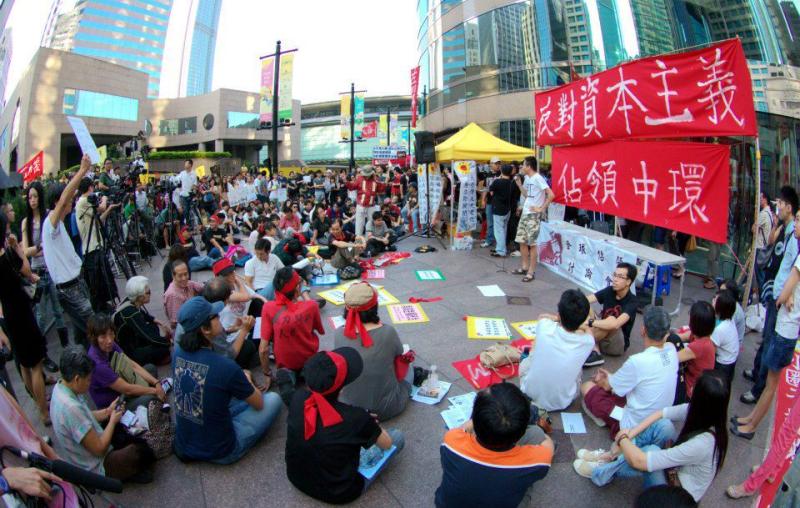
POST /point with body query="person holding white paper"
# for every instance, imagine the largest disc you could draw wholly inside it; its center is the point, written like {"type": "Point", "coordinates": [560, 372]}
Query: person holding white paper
{"type": "Point", "coordinates": [562, 345]}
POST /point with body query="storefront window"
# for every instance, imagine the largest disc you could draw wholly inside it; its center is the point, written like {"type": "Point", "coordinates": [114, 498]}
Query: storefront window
{"type": "Point", "coordinates": [99, 105]}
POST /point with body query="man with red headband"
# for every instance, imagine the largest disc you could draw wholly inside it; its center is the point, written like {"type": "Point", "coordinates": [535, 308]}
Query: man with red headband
{"type": "Point", "coordinates": [325, 436]}
{"type": "Point", "coordinates": [292, 325]}
{"type": "Point", "coordinates": [378, 388]}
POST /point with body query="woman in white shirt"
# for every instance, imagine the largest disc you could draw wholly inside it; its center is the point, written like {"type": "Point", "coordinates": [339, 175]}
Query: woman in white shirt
{"type": "Point", "coordinates": [725, 335]}
{"type": "Point", "coordinates": [695, 458]}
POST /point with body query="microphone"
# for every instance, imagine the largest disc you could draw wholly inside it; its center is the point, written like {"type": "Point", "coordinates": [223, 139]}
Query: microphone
{"type": "Point", "coordinates": [68, 472]}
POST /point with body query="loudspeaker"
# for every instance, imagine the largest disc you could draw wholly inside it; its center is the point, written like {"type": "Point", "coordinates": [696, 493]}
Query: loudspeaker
{"type": "Point", "coordinates": [424, 147]}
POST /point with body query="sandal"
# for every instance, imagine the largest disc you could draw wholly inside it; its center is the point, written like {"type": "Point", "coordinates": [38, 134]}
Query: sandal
{"type": "Point", "coordinates": [737, 492]}
{"type": "Point", "coordinates": [528, 278]}
{"type": "Point", "coordinates": [519, 271]}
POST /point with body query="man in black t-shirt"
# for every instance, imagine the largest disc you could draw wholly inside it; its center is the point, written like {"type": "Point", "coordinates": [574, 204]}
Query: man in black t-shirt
{"type": "Point", "coordinates": [501, 192]}
{"type": "Point", "coordinates": [325, 437]}
{"type": "Point", "coordinates": [612, 329]}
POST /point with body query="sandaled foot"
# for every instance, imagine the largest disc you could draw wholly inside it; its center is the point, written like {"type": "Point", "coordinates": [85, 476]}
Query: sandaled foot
{"type": "Point", "coordinates": [737, 492]}
{"type": "Point", "coordinates": [520, 271]}
{"type": "Point", "coordinates": [529, 277]}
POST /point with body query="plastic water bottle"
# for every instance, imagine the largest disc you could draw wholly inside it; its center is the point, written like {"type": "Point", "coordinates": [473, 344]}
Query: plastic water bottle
{"type": "Point", "coordinates": [433, 381]}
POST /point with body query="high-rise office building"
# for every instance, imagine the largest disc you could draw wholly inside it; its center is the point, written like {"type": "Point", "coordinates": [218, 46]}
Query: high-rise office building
{"type": "Point", "coordinates": [125, 32]}
{"type": "Point", "coordinates": [5, 63]}
{"type": "Point", "coordinates": [204, 43]}
{"type": "Point", "coordinates": [653, 27]}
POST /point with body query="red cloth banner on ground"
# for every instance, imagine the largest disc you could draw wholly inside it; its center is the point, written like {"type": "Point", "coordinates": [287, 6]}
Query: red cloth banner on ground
{"type": "Point", "coordinates": [480, 377]}
{"type": "Point", "coordinates": [33, 169]}
{"type": "Point", "coordinates": [787, 394]}
{"type": "Point", "coordinates": [706, 92]}
{"type": "Point", "coordinates": [414, 91]}
{"type": "Point", "coordinates": [678, 186]}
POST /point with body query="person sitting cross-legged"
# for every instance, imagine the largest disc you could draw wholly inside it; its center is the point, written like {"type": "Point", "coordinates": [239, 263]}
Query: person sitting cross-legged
{"type": "Point", "coordinates": [562, 345]}
{"type": "Point", "coordinates": [654, 450]}
{"type": "Point", "coordinates": [645, 383]}
{"type": "Point", "coordinates": [612, 330]}
{"type": "Point", "coordinates": [497, 456]}
{"type": "Point", "coordinates": [379, 237]}
{"type": "Point", "coordinates": [325, 437]}
{"type": "Point", "coordinates": [220, 414]}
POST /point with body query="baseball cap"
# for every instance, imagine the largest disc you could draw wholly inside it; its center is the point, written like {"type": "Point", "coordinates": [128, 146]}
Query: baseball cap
{"type": "Point", "coordinates": [494, 160]}
{"type": "Point", "coordinates": [223, 266]}
{"type": "Point", "coordinates": [196, 312]}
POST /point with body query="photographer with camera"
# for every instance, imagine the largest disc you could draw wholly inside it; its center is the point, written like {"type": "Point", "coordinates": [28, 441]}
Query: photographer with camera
{"type": "Point", "coordinates": [96, 269]}
{"type": "Point", "coordinates": [108, 178]}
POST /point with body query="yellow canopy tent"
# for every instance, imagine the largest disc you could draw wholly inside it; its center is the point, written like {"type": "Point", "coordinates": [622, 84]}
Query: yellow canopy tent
{"type": "Point", "coordinates": [475, 144]}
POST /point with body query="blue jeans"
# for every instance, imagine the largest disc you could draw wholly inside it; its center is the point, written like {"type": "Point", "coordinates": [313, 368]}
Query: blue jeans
{"type": "Point", "coordinates": [654, 437]}
{"type": "Point", "coordinates": [199, 263]}
{"type": "Point", "coordinates": [398, 440]}
{"type": "Point", "coordinates": [250, 425]}
{"type": "Point", "coordinates": [500, 223]}
{"type": "Point", "coordinates": [489, 225]}
{"type": "Point", "coordinates": [48, 305]}
{"type": "Point", "coordinates": [268, 291]}
{"type": "Point", "coordinates": [759, 369]}
{"type": "Point", "coordinates": [214, 253]}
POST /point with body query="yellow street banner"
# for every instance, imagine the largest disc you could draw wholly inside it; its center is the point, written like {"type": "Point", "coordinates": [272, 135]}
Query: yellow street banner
{"type": "Point", "coordinates": [103, 151]}
{"type": "Point", "coordinates": [200, 171]}
{"type": "Point", "coordinates": [344, 117]}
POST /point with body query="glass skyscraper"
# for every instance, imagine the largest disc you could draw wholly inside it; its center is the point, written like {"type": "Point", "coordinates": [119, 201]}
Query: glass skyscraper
{"type": "Point", "coordinates": [204, 43]}
{"type": "Point", "coordinates": [125, 32]}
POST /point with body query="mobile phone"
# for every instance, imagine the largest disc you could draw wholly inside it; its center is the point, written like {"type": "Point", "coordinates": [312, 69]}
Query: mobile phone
{"type": "Point", "coordinates": [166, 384]}
{"type": "Point", "coordinates": [120, 404]}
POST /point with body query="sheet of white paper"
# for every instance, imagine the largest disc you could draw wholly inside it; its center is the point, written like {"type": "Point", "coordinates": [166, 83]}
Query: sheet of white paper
{"type": "Point", "coordinates": [617, 413]}
{"type": "Point", "coordinates": [338, 321]}
{"type": "Point", "coordinates": [493, 290]}
{"type": "Point", "coordinates": [406, 348]}
{"type": "Point", "coordinates": [301, 264]}
{"type": "Point", "coordinates": [85, 140]}
{"type": "Point", "coordinates": [444, 386]}
{"type": "Point", "coordinates": [453, 417]}
{"type": "Point", "coordinates": [573, 423]}
{"type": "Point", "coordinates": [257, 329]}
{"type": "Point", "coordinates": [128, 419]}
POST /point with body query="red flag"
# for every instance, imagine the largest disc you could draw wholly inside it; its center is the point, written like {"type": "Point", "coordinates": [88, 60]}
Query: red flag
{"type": "Point", "coordinates": [678, 186]}
{"type": "Point", "coordinates": [33, 169]}
{"type": "Point", "coordinates": [414, 90]}
{"type": "Point", "coordinates": [573, 76]}
{"type": "Point", "coordinates": [370, 130]}
{"type": "Point", "coordinates": [705, 92]}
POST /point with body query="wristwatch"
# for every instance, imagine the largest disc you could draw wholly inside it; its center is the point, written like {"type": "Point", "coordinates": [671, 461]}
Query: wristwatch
{"type": "Point", "coordinates": [4, 488]}
{"type": "Point", "coordinates": [591, 322]}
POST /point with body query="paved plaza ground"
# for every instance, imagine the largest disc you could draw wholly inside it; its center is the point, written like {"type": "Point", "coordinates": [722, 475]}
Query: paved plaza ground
{"type": "Point", "coordinates": [260, 479]}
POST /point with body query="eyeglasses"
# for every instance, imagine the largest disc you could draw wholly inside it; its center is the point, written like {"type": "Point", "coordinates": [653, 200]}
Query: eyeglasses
{"type": "Point", "coordinates": [619, 276]}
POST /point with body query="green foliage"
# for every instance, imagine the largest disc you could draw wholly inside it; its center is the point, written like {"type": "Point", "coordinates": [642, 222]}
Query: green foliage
{"type": "Point", "coordinates": [165, 155]}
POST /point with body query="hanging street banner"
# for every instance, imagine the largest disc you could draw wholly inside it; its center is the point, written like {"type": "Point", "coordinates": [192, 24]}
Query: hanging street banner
{"type": "Point", "coordinates": [358, 112]}
{"type": "Point", "coordinates": [394, 130]}
{"type": "Point", "coordinates": [435, 185]}
{"type": "Point", "coordinates": [678, 186]}
{"type": "Point", "coordinates": [467, 204]}
{"type": "Point", "coordinates": [370, 130]}
{"type": "Point", "coordinates": [32, 169]}
{"type": "Point", "coordinates": [344, 116]}
{"type": "Point", "coordinates": [267, 82]}
{"type": "Point", "coordinates": [706, 92]}
{"type": "Point", "coordinates": [285, 87]}
{"type": "Point", "coordinates": [383, 126]}
{"type": "Point", "coordinates": [414, 92]}
{"type": "Point", "coordinates": [588, 261]}
{"type": "Point", "coordinates": [422, 193]}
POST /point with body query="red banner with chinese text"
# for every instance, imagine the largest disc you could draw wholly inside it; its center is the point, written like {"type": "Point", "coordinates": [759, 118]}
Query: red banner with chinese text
{"type": "Point", "coordinates": [414, 91]}
{"type": "Point", "coordinates": [32, 169]}
{"type": "Point", "coordinates": [788, 391]}
{"type": "Point", "coordinates": [678, 186]}
{"type": "Point", "coordinates": [706, 92]}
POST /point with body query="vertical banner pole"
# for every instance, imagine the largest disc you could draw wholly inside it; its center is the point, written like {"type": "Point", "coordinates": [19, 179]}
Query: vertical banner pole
{"type": "Point", "coordinates": [757, 199]}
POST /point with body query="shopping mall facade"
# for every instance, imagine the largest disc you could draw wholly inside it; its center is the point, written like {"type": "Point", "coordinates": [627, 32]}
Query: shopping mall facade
{"type": "Point", "coordinates": [481, 60]}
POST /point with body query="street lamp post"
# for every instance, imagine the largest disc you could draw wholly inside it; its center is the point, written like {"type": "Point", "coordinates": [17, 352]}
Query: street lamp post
{"type": "Point", "coordinates": [275, 123]}
{"type": "Point", "coordinates": [352, 139]}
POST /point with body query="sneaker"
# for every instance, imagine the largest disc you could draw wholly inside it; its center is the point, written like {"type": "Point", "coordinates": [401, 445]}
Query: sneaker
{"type": "Point", "coordinates": [748, 398]}
{"type": "Point", "coordinates": [584, 468]}
{"type": "Point", "coordinates": [596, 420]}
{"type": "Point", "coordinates": [748, 375]}
{"type": "Point", "coordinates": [516, 254]}
{"type": "Point", "coordinates": [595, 359]}
{"type": "Point", "coordinates": [592, 455]}
{"type": "Point", "coordinates": [50, 365]}
{"type": "Point", "coordinates": [486, 244]}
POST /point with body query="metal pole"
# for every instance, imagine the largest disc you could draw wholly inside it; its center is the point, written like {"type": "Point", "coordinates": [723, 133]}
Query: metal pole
{"type": "Point", "coordinates": [751, 267]}
{"type": "Point", "coordinates": [275, 94]}
{"type": "Point", "coordinates": [424, 100]}
{"type": "Point", "coordinates": [408, 139]}
{"type": "Point", "coordinates": [352, 126]}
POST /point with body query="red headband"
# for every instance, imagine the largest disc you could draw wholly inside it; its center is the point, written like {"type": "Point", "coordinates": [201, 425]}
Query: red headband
{"type": "Point", "coordinates": [281, 295]}
{"type": "Point", "coordinates": [353, 325]}
{"type": "Point", "coordinates": [317, 404]}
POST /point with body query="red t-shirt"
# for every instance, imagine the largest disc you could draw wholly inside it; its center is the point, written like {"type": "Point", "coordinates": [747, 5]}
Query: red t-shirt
{"type": "Point", "coordinates": [294, 333]}
{"type": "Point", "coordinates": [704, 353]}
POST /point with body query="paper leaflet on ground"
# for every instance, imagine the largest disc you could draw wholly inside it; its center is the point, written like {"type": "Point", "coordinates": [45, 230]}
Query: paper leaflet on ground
{"type": "Point", "coordinates": [482, 328]}
{"type": "Point", "coordinates": [330, 279]}
{"type": "Point", "coordinates": [386, 298]}
{"type": "Point", "coordinates": [460, 410]}
{"type": "Point", "coordinates": [334, 296]}
{"type": "Point", "coordinates": [376, 274]}
{"type": "Point", "coordinates": [370, 472]}
{"type": "Point", "coordinates": [349, 283]}
{"type": "Point", "coordinates": [573, 423]}
{"type": "Point", "coordinates": [492, 290]}
{"type": "Point", "coordinates": [407, 313]}
{"type": "Point", "coordinates": [435, 274]}
{"type": "Point", "coordinates": [312, 249]}
{"type": "Point", "coordinates": [526, 328]}
{"type": "Point", "coordinates": [480, 377]}
{"type": "Point", "coordinates": [444, 387]}
{"type": "Point", "coordinates": [337, 321]}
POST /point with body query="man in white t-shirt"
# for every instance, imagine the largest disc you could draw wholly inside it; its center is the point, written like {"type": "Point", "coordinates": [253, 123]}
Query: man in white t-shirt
{"type": "Point", "coordinates": [562, 345]}
{"type": "Point", "coordinates": [644, 384]}
{"type": "Point", "coordinates": [188, 181]}
{"type": "Point", "coordinates": [62, 261]}
{"type": "Point", "coordinates": [536, 196]}
{"type": "Point", "coordinates": [259, 271]}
